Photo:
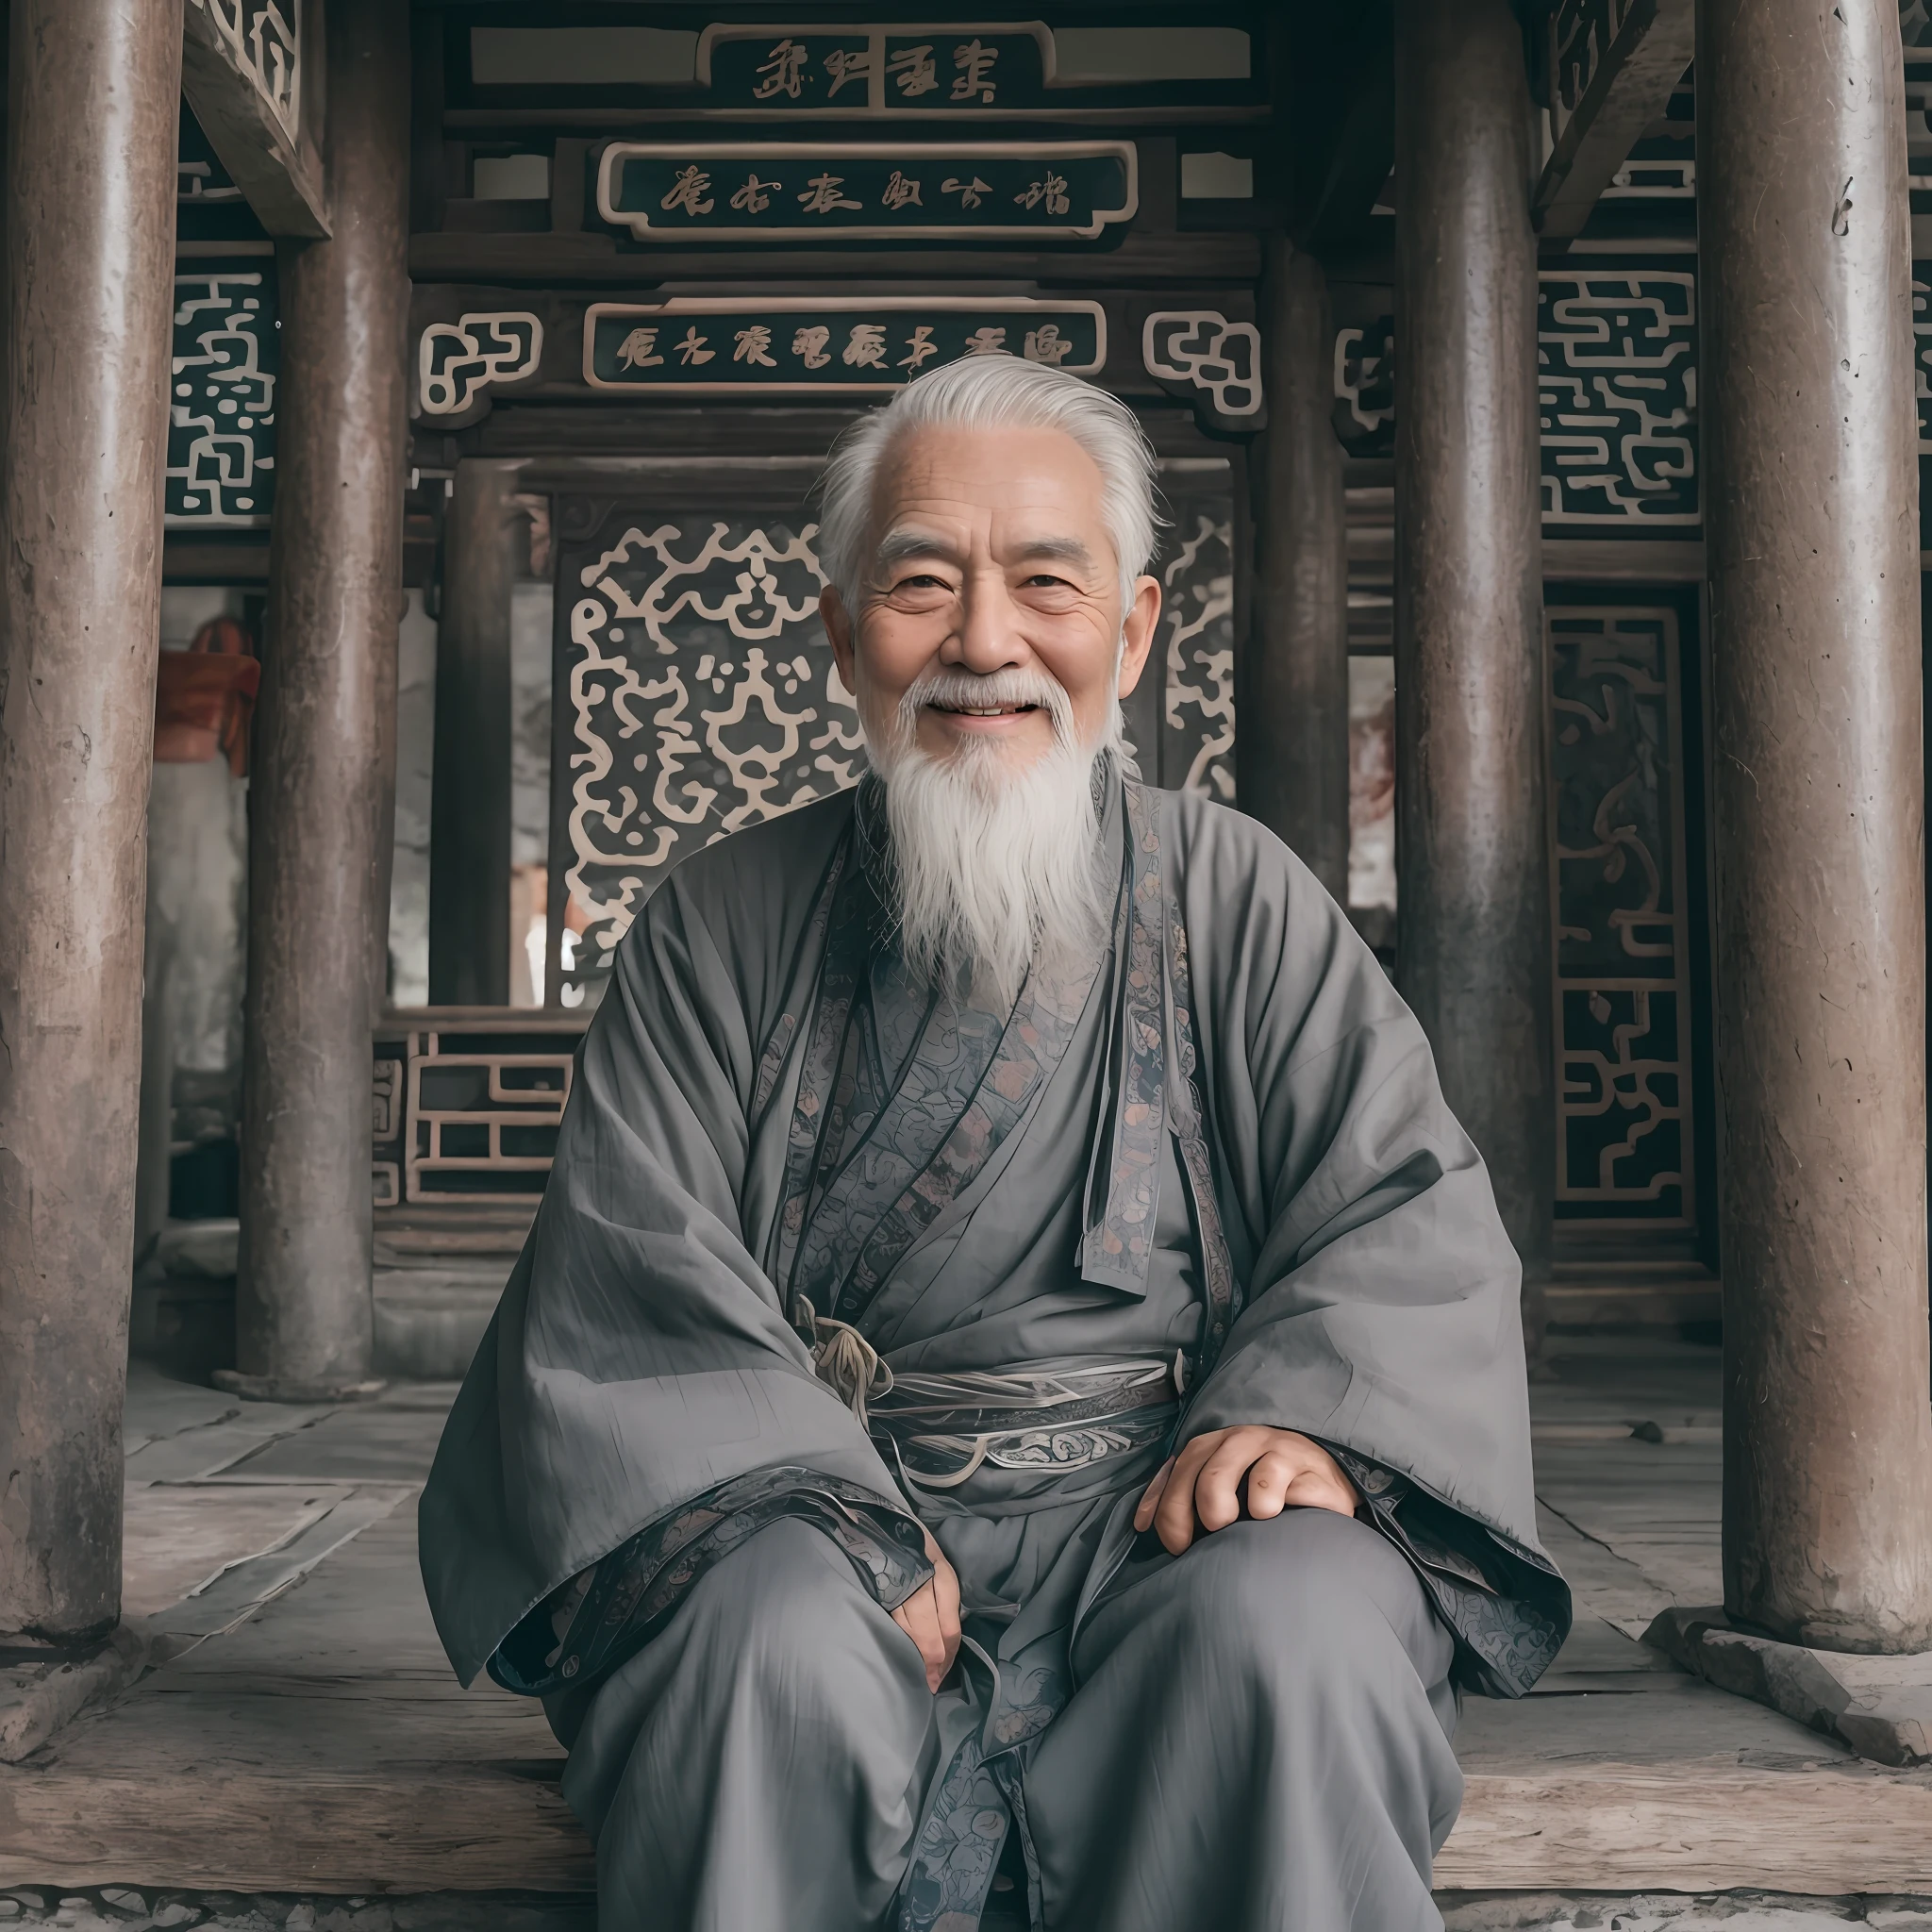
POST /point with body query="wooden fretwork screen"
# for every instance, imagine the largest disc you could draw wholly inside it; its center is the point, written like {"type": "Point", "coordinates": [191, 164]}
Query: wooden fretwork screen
{"type": "Point", "coordinates": [1623, 1005]}
{"type": "Point", "coordinates": [696, 693]}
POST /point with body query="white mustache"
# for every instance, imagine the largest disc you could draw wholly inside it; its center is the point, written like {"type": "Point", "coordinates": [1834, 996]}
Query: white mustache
{"type": "Point", "coordinates": [961, 690]}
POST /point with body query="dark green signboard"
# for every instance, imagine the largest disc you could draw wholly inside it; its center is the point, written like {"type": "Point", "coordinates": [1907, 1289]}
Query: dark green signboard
{"type": "Point", "coordinates": [841, 346]}
{"type": "Point", "coordinates": [873, 191]}
{"type": "Point", "coordinates": [860, 70]}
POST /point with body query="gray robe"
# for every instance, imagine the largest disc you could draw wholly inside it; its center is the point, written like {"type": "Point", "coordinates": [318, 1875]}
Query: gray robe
{"type": "Point", "coordinates": [1207, 1180]}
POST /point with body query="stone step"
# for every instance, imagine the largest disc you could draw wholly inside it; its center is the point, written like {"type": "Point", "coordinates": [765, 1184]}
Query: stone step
{"type": "Point", "coordinates": [429, 1318]}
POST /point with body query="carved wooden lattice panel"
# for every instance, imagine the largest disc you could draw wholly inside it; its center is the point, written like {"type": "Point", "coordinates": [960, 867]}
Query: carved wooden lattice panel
{"type": "Point", "coordinates": [221, 407]}
{"type": "Point", "coordinates": [263, 37]}
{"type": "Point", "coordinates": [200, 179]}
{"type": "Point", "coordinates": [470, 1115]}
{"type": "Point", "coordinates": [1616, 394]}
{"type": "Point", "coordinates": [1617, 386]}
{"type": "Point", "coordinates": [1194, 647]}
{"type": "Point", "coordinates": [1922, 352]}
{"type": "Point", "coordinates": [696, 694]}
{"type": "Point", "coordinates": [1622, 1001]}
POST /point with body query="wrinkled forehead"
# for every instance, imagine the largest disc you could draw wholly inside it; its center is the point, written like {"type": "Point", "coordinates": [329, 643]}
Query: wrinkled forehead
{"type": "Point", "coordinates": [1030, 480]}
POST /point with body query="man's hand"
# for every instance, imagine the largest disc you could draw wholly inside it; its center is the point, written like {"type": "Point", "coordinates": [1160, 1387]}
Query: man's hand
{"type": "Point", "coordinates": [930, 1616]}
{"type": "Point", "coordinates": [1284, 1471]}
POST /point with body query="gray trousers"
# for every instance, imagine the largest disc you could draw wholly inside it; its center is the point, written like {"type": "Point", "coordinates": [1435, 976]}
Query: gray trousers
{"type": "Point", "coordinates": [1259, 1740]}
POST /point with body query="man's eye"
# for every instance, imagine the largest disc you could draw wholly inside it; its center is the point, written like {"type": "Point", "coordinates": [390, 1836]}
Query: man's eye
{"type": "Point", "coordinates": [1045, 581]}
{"type": "Point", "coordinates": [923, 581]}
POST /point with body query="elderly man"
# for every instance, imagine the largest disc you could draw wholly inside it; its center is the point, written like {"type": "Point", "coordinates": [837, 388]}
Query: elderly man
{"type": "Point", "coordinates": [1013, 1403]}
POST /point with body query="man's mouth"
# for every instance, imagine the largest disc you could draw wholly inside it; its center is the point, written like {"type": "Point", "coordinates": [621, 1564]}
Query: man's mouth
{"type": "Point", "coordinates": [985, 710]}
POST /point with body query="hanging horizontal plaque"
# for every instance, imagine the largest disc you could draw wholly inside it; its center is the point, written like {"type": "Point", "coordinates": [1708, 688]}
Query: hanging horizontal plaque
{"type": "Point", "coordinates": [874, 192]}
{"type": "Point", "coordinates": [1106, 72]}
{"type": "Point", "coordinates": [844, 345]}
{"type": "Point", "coordinates": [860, 70]}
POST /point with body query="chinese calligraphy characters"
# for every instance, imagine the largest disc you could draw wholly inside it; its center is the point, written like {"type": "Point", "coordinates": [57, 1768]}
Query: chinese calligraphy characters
{"type": "Point", "coordinates": [866, 190]}
{"type": "Point", "coordinates": [1052, 189]}
{"type": "Point", "coordinates": [822, 195]}
{"type": "Point", "coordinates": [867, 347]}
{"type": "Point", "coordinates": [974, 62]}
{"type": "Point", "coordinates": [844, 64]}
{"type": "Point", "coordinates": [811, 70]}
{"type": "Point", "coordinates": [692, 184]}
{"type": "Point", "coordinates": [636, 350]}
{"type": "Point", "coordinates": [848, 344]}
{"type": "Point", "coordinates": [782, 74]}
{"type": "Point", "coordinates": [911, 71]}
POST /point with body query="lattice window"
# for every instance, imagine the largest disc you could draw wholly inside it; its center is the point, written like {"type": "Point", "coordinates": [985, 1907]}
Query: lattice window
{"type": "Point", "coordinates": [222, 405]}
{"type": "Point", "coordinates": [1617, 389]}
{"type": "Point", "coordinates": [697, 695]}
{"type": "Point", "coordinates": [1623, 994]}
{"type": "Point", "coordinates": [468, 1115]}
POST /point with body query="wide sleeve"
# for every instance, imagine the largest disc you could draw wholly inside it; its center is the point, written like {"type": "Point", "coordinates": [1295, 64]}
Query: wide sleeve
{"type": "Point", "coordinates": [638, 1358]}
{"type": "Point", "coordinates": [1380, 1311]}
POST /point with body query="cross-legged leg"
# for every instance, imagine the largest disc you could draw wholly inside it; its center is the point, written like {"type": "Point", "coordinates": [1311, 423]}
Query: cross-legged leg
{"type": "Point", "coordinates": [760, 1763]}
{"type": "Point", "coordinates": [1259, 1740]}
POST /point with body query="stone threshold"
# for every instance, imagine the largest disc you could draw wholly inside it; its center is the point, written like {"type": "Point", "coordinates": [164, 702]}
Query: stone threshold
{"type": "Point", "coordinates": [1880, 1705]}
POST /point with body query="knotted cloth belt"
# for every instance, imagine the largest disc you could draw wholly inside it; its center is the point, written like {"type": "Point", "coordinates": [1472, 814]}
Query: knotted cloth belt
{"type": "Point", "coordinates": [943, 1429]}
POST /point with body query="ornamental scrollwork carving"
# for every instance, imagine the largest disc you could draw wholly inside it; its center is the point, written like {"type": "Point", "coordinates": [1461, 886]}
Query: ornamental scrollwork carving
{"type": "Point", "coordinates": [700, 698]}
{"type": "Point", "coordinates": [1211, 361]}
{"type": "Point", "coordinates": [1196, 646]}
{"type": "Point", "coordinates": [1364, 387]}
{"type": "Point", "coordinates": [456, 361]}
{"type": "Point", "coordinates": [263, 37]}
{"type": "Point", "coordinates": [1622, 966]}
{"type": "Point", "coordinates": [221, 401]}
{"type": "Point", "coordinates": [1617, 388]}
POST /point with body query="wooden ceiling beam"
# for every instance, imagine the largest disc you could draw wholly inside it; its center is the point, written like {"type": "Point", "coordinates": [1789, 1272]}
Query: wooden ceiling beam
{"type": "Point", "coordinates": [1344, 140]}
{"type": "Point", "coordinates": [259, 101]}
{"type": "Point", "coordinates": [1603, 96]}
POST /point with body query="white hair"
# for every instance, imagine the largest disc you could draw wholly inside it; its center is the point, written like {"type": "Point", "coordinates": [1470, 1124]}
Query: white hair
{"type": "Point", "coordinates": [991, 393]}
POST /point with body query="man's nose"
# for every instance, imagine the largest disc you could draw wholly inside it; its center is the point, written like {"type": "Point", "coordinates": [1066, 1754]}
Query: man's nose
{"type": "Point", "coordinates": [987, 638]}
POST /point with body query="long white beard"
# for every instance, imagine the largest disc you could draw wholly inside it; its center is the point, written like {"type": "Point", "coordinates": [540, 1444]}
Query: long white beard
{"type": "Point", "coordinates": [996, 861]}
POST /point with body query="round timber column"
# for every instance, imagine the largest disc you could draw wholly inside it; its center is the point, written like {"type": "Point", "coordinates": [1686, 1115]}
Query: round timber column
{"type": "Point", "coordinates": [1472, 919]}
{"type": "Point", "coordinates": [96, 88]}
{"type": "Point", "coordinates": [325, 742]}
{"type": "Point", "coordinates": [1293, 767]}
{"type": "Point", "coordinates": [470, 800]}
{"type": "Point", "coordinates": [1811, 517]}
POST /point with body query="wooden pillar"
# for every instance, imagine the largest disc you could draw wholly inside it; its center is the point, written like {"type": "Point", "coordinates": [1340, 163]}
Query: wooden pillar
{"type": "Point", "coordinates": [1472, 921]}
{"type": "Point", "coordinates": [470, 777]}
{"type": "Point", "coordinates": [95, 87]}
{"type": "Point", "coordinates": [1294, 766]}
{"type": "Point", "coordinates": [1811, 515]}
{"type": "Point", "coordinates": [325, 742]}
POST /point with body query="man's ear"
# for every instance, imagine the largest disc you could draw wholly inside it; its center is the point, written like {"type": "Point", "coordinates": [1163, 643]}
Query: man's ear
{"type": "Point", "coordinates": [1136, 633]}
{"type": "Point", "coordinates": [837, 623]}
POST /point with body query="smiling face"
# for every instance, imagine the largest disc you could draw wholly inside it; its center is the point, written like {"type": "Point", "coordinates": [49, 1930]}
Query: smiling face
{"type": "Point", "coordinates": [991, 560]}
